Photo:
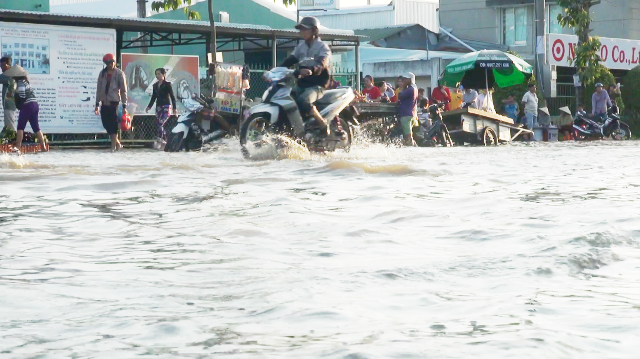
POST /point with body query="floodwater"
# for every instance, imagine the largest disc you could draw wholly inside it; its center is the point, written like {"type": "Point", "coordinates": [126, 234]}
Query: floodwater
{"type": "Point", "coordinates": [519, 251]}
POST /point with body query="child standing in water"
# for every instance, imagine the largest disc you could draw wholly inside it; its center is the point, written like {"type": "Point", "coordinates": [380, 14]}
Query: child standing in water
{"type": "Point", "coordinates": [27, 103]}
{"type": "Point", "coordinates": [163, 93]}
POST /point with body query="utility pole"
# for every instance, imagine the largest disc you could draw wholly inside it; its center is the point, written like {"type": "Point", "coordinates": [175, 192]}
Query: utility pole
{"type": "Point", "coordinates": [142, 13]}
{"type": "Point", "coordinates": [540, 48]}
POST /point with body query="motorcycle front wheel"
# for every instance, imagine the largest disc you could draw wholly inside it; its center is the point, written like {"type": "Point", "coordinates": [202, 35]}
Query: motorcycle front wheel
{"type": "Point", "coordinates": [256, 138]}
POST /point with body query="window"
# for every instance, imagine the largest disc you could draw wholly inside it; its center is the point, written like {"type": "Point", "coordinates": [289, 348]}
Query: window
{"type": "Point", "coordinates": [553, 27]}
{"type": "Point", "coordinates": [31, 46]}
{"type": "Point", "coordinates": [515, 26]}
{"type": "Point", "coordinates": [24, 46]}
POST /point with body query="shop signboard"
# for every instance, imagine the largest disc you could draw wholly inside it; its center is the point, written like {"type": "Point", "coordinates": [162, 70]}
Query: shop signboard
{"type": "Point", "coordinates": [181, 71]}
{"type": "Point", "coordinates": [617, 54]}
{"type": "Point", "coordinates": [63, 65]}
{"type": "Point", "coordinates": [318, 4]}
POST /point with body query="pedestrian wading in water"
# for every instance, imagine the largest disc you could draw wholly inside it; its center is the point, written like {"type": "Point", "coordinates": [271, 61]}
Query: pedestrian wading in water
{"type": "Point", "coordinates": [27, 103]}
{"type": "Point", "coordinates": [166, 102]}
{"type": "Point", "coordinates": [112, 89]}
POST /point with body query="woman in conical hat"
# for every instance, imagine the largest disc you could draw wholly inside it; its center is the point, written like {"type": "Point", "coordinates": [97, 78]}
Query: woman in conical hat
{"type": "Point", "coordinates": [27, 103]}
{"type": "Point", "coordinates": [565, 122]}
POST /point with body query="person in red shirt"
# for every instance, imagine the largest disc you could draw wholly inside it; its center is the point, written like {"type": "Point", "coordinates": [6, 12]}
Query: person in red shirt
{"type": "Point", "coordinates": [370, 91]}
{"type": "Point", "coordinates": [441, 94]}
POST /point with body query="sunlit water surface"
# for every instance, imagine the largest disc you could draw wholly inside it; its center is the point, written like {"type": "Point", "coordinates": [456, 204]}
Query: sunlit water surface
{"type": "Point", "coordinates": [521, 251]}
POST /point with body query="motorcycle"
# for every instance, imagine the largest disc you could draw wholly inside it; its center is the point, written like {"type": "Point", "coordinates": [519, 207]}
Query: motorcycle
{"type": "Point", "coordinates": [278, 114]}
{"type": "Point", "coordinates": [437, 133]}
{"type": "Point", "coordinates": [585, 128]}
{"type": "Point", "coordinates": [427, 133]}
{"type": "Point", "coordinates": [188, 134]}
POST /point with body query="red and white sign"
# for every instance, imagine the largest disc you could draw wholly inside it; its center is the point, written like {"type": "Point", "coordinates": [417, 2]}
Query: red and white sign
{"type": "Point", "coordinates": [618, 54]}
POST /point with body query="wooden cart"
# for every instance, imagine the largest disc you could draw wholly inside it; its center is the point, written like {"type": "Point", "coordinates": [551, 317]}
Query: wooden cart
{"type": "Point", "coordinates": [368, 111]}
{"type": "Point", "coordinates": [470, 125]}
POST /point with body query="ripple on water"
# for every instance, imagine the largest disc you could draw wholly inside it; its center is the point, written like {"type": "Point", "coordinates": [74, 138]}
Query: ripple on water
{"type": "Point", "coordinates": [381, 252]}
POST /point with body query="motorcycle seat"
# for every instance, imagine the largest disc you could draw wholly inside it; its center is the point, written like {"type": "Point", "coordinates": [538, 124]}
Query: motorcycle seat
{"type": "Point", "coordinates": [332, 96]}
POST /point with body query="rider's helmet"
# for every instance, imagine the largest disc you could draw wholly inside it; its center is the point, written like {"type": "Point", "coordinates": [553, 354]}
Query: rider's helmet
{"type": "Point", "coordinates": [308, 22]}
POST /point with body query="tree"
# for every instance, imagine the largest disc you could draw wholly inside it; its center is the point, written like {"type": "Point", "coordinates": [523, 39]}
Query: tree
{"type": "Point", "coordinates": [577, 15]}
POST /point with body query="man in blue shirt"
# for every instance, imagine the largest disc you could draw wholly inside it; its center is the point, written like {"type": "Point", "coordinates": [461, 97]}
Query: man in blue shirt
{"type": "Point", "coordinates": [407, 107]}
{"type": "Point", "coordinates": [599, 101]}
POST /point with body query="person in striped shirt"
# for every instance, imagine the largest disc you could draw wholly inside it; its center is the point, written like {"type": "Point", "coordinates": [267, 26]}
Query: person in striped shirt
{"type": "Point", "coordinates": [27, 103]}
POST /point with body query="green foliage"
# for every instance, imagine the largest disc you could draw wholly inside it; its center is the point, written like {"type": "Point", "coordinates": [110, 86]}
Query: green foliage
{"type": "Point", "coordinates": [287, 2]}
{"type": "Point", "coordinates": [167, 5]}
{"type": "Point", "coordinates": [631, 90]}
{"type": "Point", "coordinates": [577, 15]}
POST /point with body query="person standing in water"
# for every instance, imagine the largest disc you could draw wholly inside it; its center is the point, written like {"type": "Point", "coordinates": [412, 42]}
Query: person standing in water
{"type": "Point", "coordinates": [27, 103]}
{"type": "Point", "coordinates": [8, 102]}
{"type": "Point", "coordinates": [166, 105]}
{"type": "Point", "coordinates": [407, 107]}
{"type": "Point", "coordinates": [112, 89]}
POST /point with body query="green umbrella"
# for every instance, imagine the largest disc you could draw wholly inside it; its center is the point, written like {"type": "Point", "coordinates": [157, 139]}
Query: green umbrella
{"type": "Point", "coordinates": [487, 68]}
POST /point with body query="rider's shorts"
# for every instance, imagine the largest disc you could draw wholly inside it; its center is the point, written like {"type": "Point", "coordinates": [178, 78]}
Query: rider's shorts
{"type": "Point", "coordinates": [307, 96]}
{"type": "Point", "coordinates": [408, 123]}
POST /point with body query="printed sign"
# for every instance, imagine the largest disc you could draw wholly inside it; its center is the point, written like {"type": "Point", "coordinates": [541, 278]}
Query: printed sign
{"type": "Point", "coordinates": [181, 71]}
{"type": "Point", "coordinates": [63, 65]}
{"type": "Point", "coordinates": [495, 65]}
{"type": "Point", "coordinates": [318, 4]}
{"type": "Point", "coordinates": [619, 54]}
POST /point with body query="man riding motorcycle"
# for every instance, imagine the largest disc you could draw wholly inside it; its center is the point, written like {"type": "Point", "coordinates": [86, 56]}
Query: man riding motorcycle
{"type": "Point", "coordinates": [314, 77]}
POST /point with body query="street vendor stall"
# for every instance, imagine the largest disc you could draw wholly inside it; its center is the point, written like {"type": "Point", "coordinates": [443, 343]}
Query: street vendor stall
{"type": "Point", "coordinates": [484, 69]}
{"type": "Point", "coordinates": [470, 125]}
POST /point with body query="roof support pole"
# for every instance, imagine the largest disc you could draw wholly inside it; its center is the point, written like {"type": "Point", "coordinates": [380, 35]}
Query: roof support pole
{"type": "Point", "coordinates": [119, 40]}
{"type": "Point", "coordinates": [274, 51]}
{"type": "Point", "coordinates": [357, 49]}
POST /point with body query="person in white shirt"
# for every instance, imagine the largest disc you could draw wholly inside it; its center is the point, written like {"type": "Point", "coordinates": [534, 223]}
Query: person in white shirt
{"type": "Point", "coordinates": [530, 105]}
{"type": "Point", "coordinates": [470, 98]}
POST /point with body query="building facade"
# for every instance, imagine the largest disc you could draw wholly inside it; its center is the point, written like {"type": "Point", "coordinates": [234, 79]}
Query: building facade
{"type": "Point", "coordinates": [398, 12]}
{"type": "Point", "coordinates": [25, 5]}
{"type": "Point", "coordinates": [512, 23]}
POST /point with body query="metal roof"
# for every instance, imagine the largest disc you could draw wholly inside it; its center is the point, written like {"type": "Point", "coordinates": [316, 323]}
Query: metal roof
{"type": "Point", "coordinates": [160, 25]}
{"type": "Point", "coordinates": [379, 33]}
{"type": "Point", "coordinates": [370, 54]}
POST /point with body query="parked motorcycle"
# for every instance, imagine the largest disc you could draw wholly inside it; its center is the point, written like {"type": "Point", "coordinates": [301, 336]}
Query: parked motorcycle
{"type": "Point", "coordinates": [430, 132]}
{"type": "Point", "coordinates": [188, 134]}
{"type": "Point", "coordinates": [585, 128]}
{"type": "Point", "coordinates": [437, 133]}
{"type": "Point", "coordinates": [278, 114]}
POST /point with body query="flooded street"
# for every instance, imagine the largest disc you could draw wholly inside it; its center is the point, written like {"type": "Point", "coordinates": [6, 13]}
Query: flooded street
{"type": "Point", "coordinates": [519, 251]}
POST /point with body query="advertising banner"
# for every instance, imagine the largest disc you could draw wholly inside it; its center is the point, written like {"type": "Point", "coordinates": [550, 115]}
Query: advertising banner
{"type": "Point", "coordinates": [63, 65]}
{"type": "Point", "coordinates": [181, 71]}
{"type": "Point", "coordinates": [618, 54]}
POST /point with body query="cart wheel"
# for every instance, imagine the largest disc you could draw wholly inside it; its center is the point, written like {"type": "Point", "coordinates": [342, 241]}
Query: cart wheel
{"type": "Point", "coordinates": [489, 137]}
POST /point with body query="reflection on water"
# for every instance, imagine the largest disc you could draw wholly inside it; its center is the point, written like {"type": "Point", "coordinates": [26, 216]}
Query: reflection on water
{"type": "Point", "coordinates": [523, 251]}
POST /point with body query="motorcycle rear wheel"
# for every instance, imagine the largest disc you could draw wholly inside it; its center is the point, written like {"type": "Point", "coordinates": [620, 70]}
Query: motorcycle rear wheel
{"type": "Point", "coordinates": [174, 143]}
